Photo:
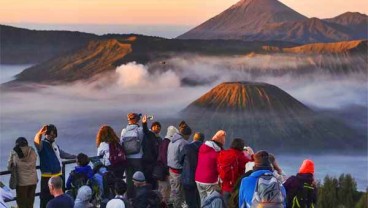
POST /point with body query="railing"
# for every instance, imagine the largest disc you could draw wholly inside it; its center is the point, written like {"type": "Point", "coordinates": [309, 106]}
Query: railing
{"type": "Point", "coordinates": [65, 162]}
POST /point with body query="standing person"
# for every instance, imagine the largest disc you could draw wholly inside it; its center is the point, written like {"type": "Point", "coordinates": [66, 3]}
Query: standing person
{"type": "Point", "coordinates": [150, 147]}
{"type": "Point", "coordinates": [206, 176]}
{"type": "Point", "coordinates": [131, 139]}
{"type": "Point", "coordinates": [60, 199]}
{"type": "Point", "coordinates": [231, 165]}
{"type": "Point", "coordinates": [50, 159]}
{"type": "Point", "coordinates": [23, 159]}
{"type": "Point", "coordinates": [301, 189]}
{"type": "Point", "coordinates": [190, 158]}
{"type": "Point", "coordinates": [175, 150]}
{"type": "Point", "coordinates": [261, 188]}
{"type": "Point", "coordinates": [5, 194]}
{"type": "Point", "coordinates": [163, 178]}
{"type": "Point", "coordinates": [106, 138]}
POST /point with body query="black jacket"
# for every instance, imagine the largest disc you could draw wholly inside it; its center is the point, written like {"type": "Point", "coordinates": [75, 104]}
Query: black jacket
{"type": "Point", "coordinates": [150, 145]}
{"type": "Point", "coordinates": [189, 159]}
{"type": "Point", "coordinates": [295, 183]}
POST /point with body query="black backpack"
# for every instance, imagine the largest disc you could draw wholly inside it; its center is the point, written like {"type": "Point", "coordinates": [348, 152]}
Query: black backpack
{"type": "Point", "coordinates": [78, 180]}
{"type": "Point", "coordinates": [304, 197]}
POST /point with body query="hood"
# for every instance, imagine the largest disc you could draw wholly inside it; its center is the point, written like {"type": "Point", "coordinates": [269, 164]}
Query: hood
{"type": "Point", "coordinates": [305, 177]}
{"type": "Point", "coordinates": [171, 130]}
{"type": "Point", "coordinates": [258, 173]}
{"type": "Point", "coordinates": [131, 127]}
{"type": "Point", "coordinates": [176, 137]}
{"type": "Point", "coordinates": [26, 152]}
{"type": "Point", "coordinates": [84, 194]}
{"type": "Point", "coordinates": [85, 170]}
{"type": "Point", "coordinates": [209, 145]}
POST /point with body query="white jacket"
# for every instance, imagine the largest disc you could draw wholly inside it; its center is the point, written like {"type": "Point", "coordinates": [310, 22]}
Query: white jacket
{"type": "Point", "coordinates": [104, 151]}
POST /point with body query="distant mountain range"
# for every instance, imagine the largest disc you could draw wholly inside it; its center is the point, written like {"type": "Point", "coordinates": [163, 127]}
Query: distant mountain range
{"type": "Point", "coordinates": [271, 20]}
{"type": "Point", "coordinates": [266, 117]}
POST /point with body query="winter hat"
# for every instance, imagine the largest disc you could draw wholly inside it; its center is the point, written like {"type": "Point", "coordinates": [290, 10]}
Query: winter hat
{"type": "Point", "coordinates": [307, 167]}
{"type": "Point", "coordinates": [171, 130]}
{"type": "Point", "coordinates": [261, 159]}
{"type": "Point", "coordinates": [219, 137]}
{"type": "Point", "coordinates": [139, 177]}
{"type": "Point", "coordinates": [84, 193]}
{"type": "Point", "coordinates": [184, 129]}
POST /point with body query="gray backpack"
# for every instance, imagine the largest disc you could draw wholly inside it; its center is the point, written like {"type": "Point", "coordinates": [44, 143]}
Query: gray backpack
{"type": "Point", "coordinates": [267, 193]}
{"type": "Point", "coordinates": [131, 142]}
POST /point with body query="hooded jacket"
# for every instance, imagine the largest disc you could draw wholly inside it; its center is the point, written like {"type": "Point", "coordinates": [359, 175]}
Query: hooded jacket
{"type": "Point", "coordinates": [129, 128]}
{"type": "Point", "coordinates": [189, 161]}
{"type": "Point", "coordinates": [248, 185]}
{"type": "Point", "coordinates": [83, 197]}
{"type": "Point", "coordinates": [175, 150]}
{"type": "Point", "coordinates": [25, 167]}
{"type": "Point", "coordinates": [206, 171]}
{"type": "Point", "coordinates": [294, 183]}
{"type": "Point", "coordinates": [86, 170]}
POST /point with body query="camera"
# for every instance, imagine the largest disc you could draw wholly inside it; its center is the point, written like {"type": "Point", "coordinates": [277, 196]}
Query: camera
{"type": "Point", "coordinates": [149, 117]}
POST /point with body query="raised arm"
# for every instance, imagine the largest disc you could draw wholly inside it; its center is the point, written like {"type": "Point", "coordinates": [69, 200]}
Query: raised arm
{"type": "Point", "coordinates": [38, 137]}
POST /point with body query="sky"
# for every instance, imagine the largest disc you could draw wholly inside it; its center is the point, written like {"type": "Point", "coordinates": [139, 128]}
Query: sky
{"type": "Point", "coordinates": [172, 12]}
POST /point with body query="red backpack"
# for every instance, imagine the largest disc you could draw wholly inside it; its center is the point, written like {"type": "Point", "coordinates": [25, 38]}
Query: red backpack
{"type": "Point", "coordinates": [117, 154]}
{"type": "Point", "coordinates": [228, 167]}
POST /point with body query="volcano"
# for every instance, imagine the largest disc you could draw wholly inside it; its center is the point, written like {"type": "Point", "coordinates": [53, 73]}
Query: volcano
{"type": "Point", "coordinates": [267, 117]}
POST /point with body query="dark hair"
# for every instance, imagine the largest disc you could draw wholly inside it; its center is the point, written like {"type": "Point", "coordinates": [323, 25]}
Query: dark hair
{"type": "Point", "coordinates": [51, 128]}
{"type": "Point", "coordinates": [237, 144]}
{"type": "Point", "coordinates": [82, 159]}
{"type": "Point", "coordinates": [156, 123]}
{"type": "Point", "coordinates": [120, 187]}
{"type": "Point", "coordinates": [20, 142]}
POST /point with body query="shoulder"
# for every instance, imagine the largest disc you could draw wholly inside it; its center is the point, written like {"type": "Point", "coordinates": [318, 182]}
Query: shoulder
{"type": "Point", "coordinates": [115, 203]}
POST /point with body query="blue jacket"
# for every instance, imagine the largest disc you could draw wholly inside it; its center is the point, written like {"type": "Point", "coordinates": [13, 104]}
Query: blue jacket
{"type": "Point", "coordinates": [87, 170]}
{"type": "Point", "coordinates": [248, 185]}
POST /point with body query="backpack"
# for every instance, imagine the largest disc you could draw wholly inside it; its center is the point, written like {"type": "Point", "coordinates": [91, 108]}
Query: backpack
{"type": "Point", "coordinates": [228, 167]}
{"type": "Point", "coordinates": [304, 197]}
{"type": "Point", "coordinates": [267, 192]}
{"type": "Point", "coordinates": [131, 142]}
{"type": "Point", "coordinates": [78, 180]}
{"type": "Point", "coordinates": [117, 154]}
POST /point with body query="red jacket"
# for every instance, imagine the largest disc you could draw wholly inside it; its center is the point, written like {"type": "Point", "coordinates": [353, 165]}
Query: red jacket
{"type": "Point", "coordinates": [231, 165]}
{"type": "Point", "coordinates": [206, 171]}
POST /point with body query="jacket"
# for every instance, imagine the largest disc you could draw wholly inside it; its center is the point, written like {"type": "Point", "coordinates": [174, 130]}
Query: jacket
{"type": "Point", "coordinates": [175, 150]}
{"type": "Point", "coordinates": [206, 171]}
{"type": "Point", "coordinates": [189, 161]}
{"type": "Point", "coordinates": [86, 170]}
{"type": "Point", "coordinates": [104, 151]}
{"type": "Point", "coordinates": [248, 185]}
{"type": "Point", "coordinates": [133, 127]}
{"type": "Point", "coordinates": [25, 167]}
{"type": "Point", "coordinates": [235, 157]}
{"type": "Point", "coordinates": [141, 198]}
{"type": "Point", "coordinates": [150, 145]}
{"type": "Point", "coordinates": [214, 200]}
{"type": "Point", "coordinates": [294, 183]}
{"type": "Point", "coordinates": [98, 180]}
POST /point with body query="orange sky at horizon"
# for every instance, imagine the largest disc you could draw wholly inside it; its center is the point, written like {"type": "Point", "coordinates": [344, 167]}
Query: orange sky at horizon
{"type": "Point", "coordinates": [174, 12]}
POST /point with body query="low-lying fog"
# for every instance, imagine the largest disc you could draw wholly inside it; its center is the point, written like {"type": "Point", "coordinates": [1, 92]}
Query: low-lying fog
{"type": "Point", "coordinates": [79, 109]}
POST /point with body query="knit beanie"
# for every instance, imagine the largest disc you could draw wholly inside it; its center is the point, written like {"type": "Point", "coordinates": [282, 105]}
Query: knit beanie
{"type": "Point", "coordinates": [261, 159]}
{"type": "Point", "coordinates": [307, 167]}
{"type": "Point", "coordinates": [219, 137]}
{"type": "Point", "coordinates": [184, 129]}
{"type": "Point", "coordinates": [139, 177]}
{"type": "Point", "coordinates": [171, 130]}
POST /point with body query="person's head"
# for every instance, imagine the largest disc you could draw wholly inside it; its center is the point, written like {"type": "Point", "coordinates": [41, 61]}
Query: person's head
{"type": "Point", "coordinates": [185, 130]}
{"type": "Point", "coordinates": [106, 134]}
{"type": "Point", "coordinates": [55, 185]}
{"type": "Point", "coordinates": [139, 179]}
{"type": "Point", "coordinates": [307, 167]}
{"type": "Point", "coordinates": [274, 163]}
{"type": "Point", "coordinates": [133, 118]}
{"type": "Point", "coordinates": [219, 137]}
{"type": "Point", "coordinates": [120, 187]}
{"type": "Point", "coordinates": [82, 159]}
{"type": "Point", "coordinates": [156, 127]}
{"type": "Point", "coordinates": [262, 161]}
{"type": "Point", "coordinates": [84, 193]}
{"type": "Point", "coordinates": [51, 132]}
{"type": "Point", "coordinates": [21, 142]}
{"type": "Point", "coordinates": [237, 144]}
{"type": "Point", "coordinates": [171, 130]}
{"type": "Point", "coordinates": [198, 136]}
